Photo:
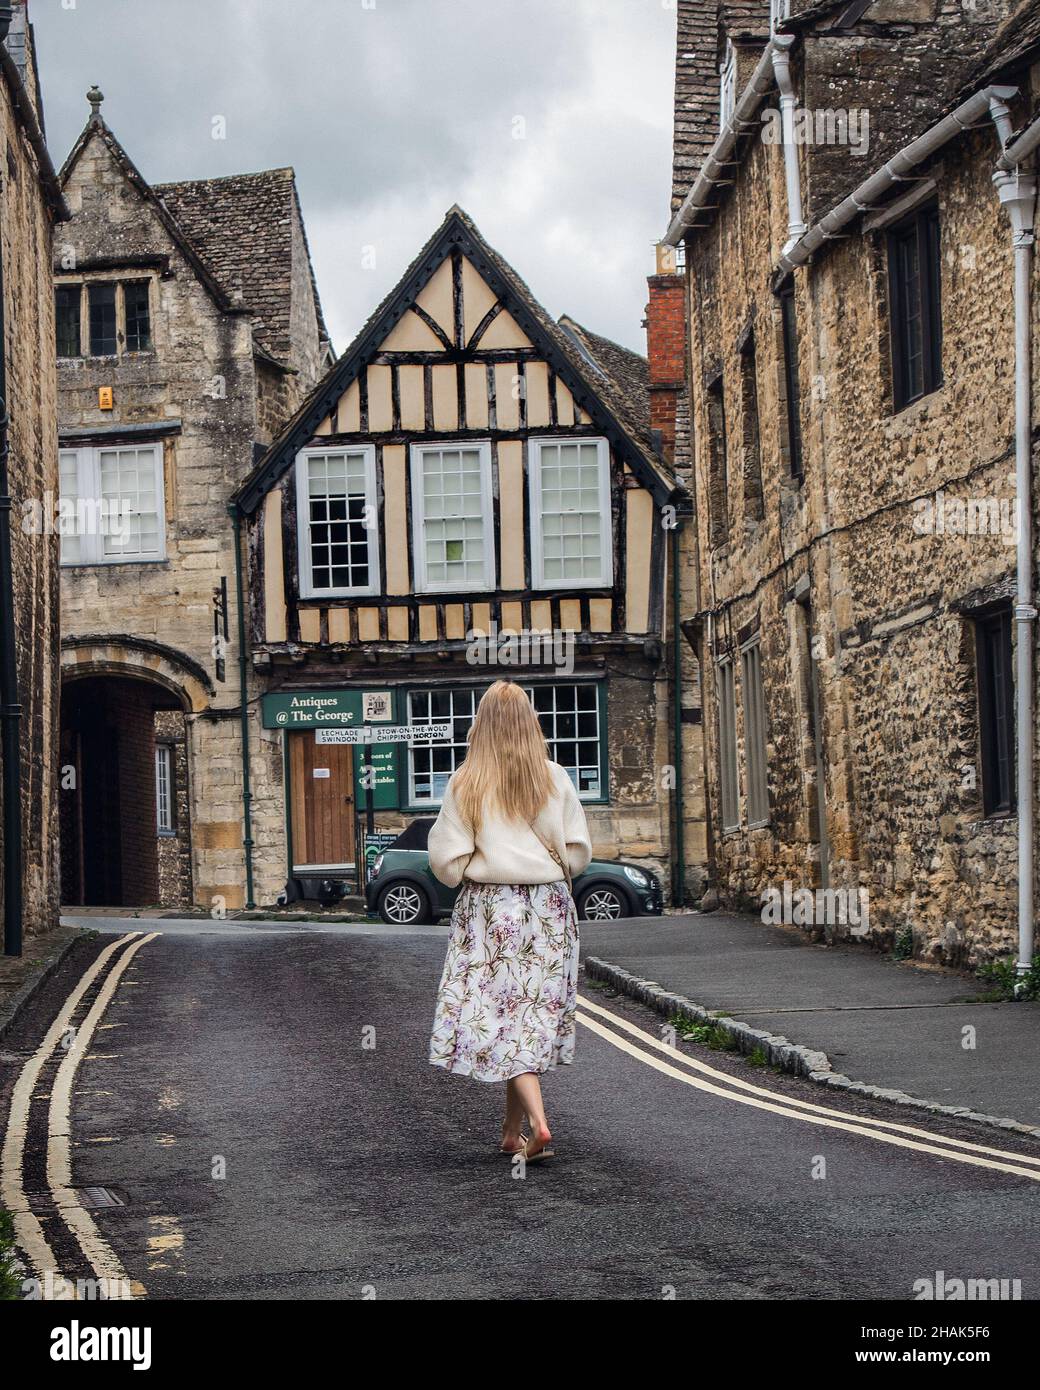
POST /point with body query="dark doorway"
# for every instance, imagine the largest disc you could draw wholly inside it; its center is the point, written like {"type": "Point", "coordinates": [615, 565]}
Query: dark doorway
{"type": "Point", "coordinates": [111, 799]}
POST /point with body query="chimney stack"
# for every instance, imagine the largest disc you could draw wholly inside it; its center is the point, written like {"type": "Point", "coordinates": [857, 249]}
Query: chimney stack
{"type": "Point", "coordinates": [666, 347]}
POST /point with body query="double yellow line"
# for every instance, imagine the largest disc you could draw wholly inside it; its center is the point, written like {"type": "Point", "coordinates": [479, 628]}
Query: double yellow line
{"type": "Point", "coordinates": [29, 1233]}
{"type": "Point", "coordinates": [692, 1072]}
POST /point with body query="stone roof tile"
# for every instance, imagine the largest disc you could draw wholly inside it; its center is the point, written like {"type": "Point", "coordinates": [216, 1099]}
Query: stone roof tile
{"type": "Point", "coordinates": [629, 371]}
{"type": "Point", "coordinates": [1015, 43]}
{"type": "Point", "coordinates": [241, 226]}
{"type": "Point", "coordinates": [696, 91]}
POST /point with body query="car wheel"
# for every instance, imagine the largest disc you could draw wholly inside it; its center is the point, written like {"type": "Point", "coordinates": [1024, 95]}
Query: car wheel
{"type": "Point", "coordinates": [601, 903]}
{"type": "Point", "coordinates": [403, 905]}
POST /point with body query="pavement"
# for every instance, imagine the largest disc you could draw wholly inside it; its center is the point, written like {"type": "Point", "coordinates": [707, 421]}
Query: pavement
{"type": "Point", "coordinates": [21, 976]}
{"type": "Point", "coordinates": [247, 1112]}
{"type": "Point", "coordinates": [894, 1025]}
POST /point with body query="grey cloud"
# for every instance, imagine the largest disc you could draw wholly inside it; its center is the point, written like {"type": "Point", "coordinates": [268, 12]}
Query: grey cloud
{"type": "Point", "coordinates": [390, 114]}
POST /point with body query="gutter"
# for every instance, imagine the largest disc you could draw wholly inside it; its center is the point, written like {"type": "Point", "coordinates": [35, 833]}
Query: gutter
{"type": "Point", "coordinates": [1016, 151]}
{"type": "Point", "coordinates": [990, 101]}
{"type": "Point", "coordinates": [26, 114]}
{"type": "Point", "coordinates": [714, 167]}
{"type": "Point", "coordinates": [774, 67]}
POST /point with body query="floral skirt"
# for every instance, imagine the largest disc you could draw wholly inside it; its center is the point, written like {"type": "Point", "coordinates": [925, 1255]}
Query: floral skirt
{"type": "Point", "coordinates": [508, 995]}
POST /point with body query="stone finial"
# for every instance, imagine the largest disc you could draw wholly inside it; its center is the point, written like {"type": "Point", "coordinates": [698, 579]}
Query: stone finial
{"type": "Point", "coordinates": [95, 96]}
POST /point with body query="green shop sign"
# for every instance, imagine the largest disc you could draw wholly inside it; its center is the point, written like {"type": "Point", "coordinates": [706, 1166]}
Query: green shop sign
{"type": "Point", "coordinates": [312, 709]}
{"type": "Point", "coordinates": [383, 778]}
{"type": "Point", "coordinates": [327, 709]}
{"type": "Point", "coordinates": [303, 710]}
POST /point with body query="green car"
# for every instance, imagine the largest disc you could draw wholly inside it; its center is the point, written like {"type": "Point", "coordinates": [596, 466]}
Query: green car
{"type": "Point", "coordinates": [403, 891]}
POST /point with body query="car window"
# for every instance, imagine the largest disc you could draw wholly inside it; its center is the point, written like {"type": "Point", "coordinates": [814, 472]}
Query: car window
{"type": "Point", "coordinates": [414, 836]}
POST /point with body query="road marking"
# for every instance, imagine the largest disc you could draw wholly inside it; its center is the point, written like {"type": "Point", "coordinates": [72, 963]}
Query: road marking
{"type": "Point", "coordinates": [29, 1233]}
{"type": "Point", "coordinates": [861, 1128]}
{"type": "Point", "coordinates": [100, 1255]}
{"type": "Point", "coordinates": [739, 1084]}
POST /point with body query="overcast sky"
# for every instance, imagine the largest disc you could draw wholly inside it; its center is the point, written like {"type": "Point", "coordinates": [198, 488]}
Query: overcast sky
{"type": "Point", "coordinates": [549, 121]}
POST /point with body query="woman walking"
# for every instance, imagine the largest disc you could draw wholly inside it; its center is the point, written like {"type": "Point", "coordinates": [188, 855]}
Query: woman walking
{"type": "Point", "coordinates": [513, 832]}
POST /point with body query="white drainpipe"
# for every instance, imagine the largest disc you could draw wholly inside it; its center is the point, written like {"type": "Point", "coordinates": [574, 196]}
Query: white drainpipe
{"type": "Point", "coordinates": [1017, 192]}
{"type": "Point", "coordinates": [781, 56]}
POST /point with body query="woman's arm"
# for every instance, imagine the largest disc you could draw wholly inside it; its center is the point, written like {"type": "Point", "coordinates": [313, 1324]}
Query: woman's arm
{"type": "Point", "coordinates": [450, 844]}
{"type": "Point", "coordinates": [575, 831]}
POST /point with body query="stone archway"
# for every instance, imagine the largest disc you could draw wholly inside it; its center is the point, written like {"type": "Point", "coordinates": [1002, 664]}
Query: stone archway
{"type": "Point", "coordinates": [125, 822]}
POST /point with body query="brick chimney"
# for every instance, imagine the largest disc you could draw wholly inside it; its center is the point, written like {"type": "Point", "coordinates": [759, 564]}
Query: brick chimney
{"type": "Point", "coordinates": [666, 347]}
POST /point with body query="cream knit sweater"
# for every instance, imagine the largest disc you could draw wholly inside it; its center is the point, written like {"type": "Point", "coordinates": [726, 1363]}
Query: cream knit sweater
{"type": "Point", "coordinates": [507, 850]}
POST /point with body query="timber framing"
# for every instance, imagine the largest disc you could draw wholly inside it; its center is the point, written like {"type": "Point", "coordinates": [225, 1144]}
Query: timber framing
{"type": "Point", "coordinates": [455, 239]}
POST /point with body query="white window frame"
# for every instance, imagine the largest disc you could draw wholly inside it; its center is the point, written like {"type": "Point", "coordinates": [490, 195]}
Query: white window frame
{"type": "Point", "coordinates": [469, 691]}
{"type": "Point", "coordinates": [728, 83]}
{"type": "Point", "coordinates": [779, 10]}
{"type": "Point", "coordinates": [305, 570]}
{"type": "Point", "coordinates": [756, 737]}
{"type": "Point", "coordinates": [88, 488]}
{"type": "Point", "coordinates": [423, 584]}
{"type": "Point", "coordinates": [605, 579]}
{"type": "Point", "coordinates": [164, 770]}
{"type": "Point", "coordinates": [729, 767]}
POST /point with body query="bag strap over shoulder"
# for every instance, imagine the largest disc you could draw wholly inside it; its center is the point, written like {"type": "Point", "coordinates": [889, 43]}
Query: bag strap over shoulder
{"type": "Point", "coordinates": [554, 856]}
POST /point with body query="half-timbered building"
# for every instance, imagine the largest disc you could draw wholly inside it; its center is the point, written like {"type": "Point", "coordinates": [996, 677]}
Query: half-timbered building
{"type": "Point", "coordinates": [472, 491]}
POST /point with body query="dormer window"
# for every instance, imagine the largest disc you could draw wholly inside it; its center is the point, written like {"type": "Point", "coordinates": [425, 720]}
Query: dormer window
{"type": "Point", "coordinates": [728, 83]}
{"type": "Point", "coordinates": [107, 317]}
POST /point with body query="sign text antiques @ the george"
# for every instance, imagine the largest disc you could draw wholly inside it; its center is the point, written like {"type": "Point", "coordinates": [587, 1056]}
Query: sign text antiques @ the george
{"type": "Point", "coordinates": [313, 709]}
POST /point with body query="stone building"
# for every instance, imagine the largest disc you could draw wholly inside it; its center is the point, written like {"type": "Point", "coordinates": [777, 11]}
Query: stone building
{"type": "Point", "coordinates": [473, 490]}
{"type": "Point", "coordinates": [30, 205]}
{"type": "Point", "coordinates": [188, 328]}
{"type": "Point", "coordinates": [849, 265]}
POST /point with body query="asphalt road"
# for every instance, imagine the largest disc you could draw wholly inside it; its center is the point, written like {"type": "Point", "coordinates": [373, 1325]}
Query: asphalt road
{"type": "Point", "coordinates": [260, 1101]}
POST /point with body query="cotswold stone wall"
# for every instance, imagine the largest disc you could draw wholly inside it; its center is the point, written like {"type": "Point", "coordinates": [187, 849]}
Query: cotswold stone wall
{"type": "Point", "coordinates": [832, 572]}
{"type": "Point", "coordinates": [742, 517]}
{"type": "Point", "coordinates": [200, 373]}
{"type": "Point", "coordinates": [201, 377]}
{"type": "Point", "coordinates": [899, 668]}
{"type": "Point", "coordinates": [174, 849]}
{"type": "Point", "coordinates": [33, 465]}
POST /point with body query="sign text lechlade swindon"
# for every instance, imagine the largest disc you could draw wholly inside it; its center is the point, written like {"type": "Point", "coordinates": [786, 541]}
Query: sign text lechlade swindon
{"type": "Point", "coordinates": [387, 733]}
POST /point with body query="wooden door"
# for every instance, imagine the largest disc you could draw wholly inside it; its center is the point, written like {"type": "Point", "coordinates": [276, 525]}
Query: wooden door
{"type": "Point", "coordinates": [322, 791]}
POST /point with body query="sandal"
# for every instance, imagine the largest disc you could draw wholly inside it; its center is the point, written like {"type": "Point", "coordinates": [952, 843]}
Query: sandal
{"type": "Point", "coordinates": [511, 1153]}
{"type": "Point", "coordinates": [536, 1158]}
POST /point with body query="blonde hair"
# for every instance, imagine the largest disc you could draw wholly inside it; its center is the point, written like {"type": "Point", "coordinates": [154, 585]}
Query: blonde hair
{"type": "Point", "coordinates": [507, 766]}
